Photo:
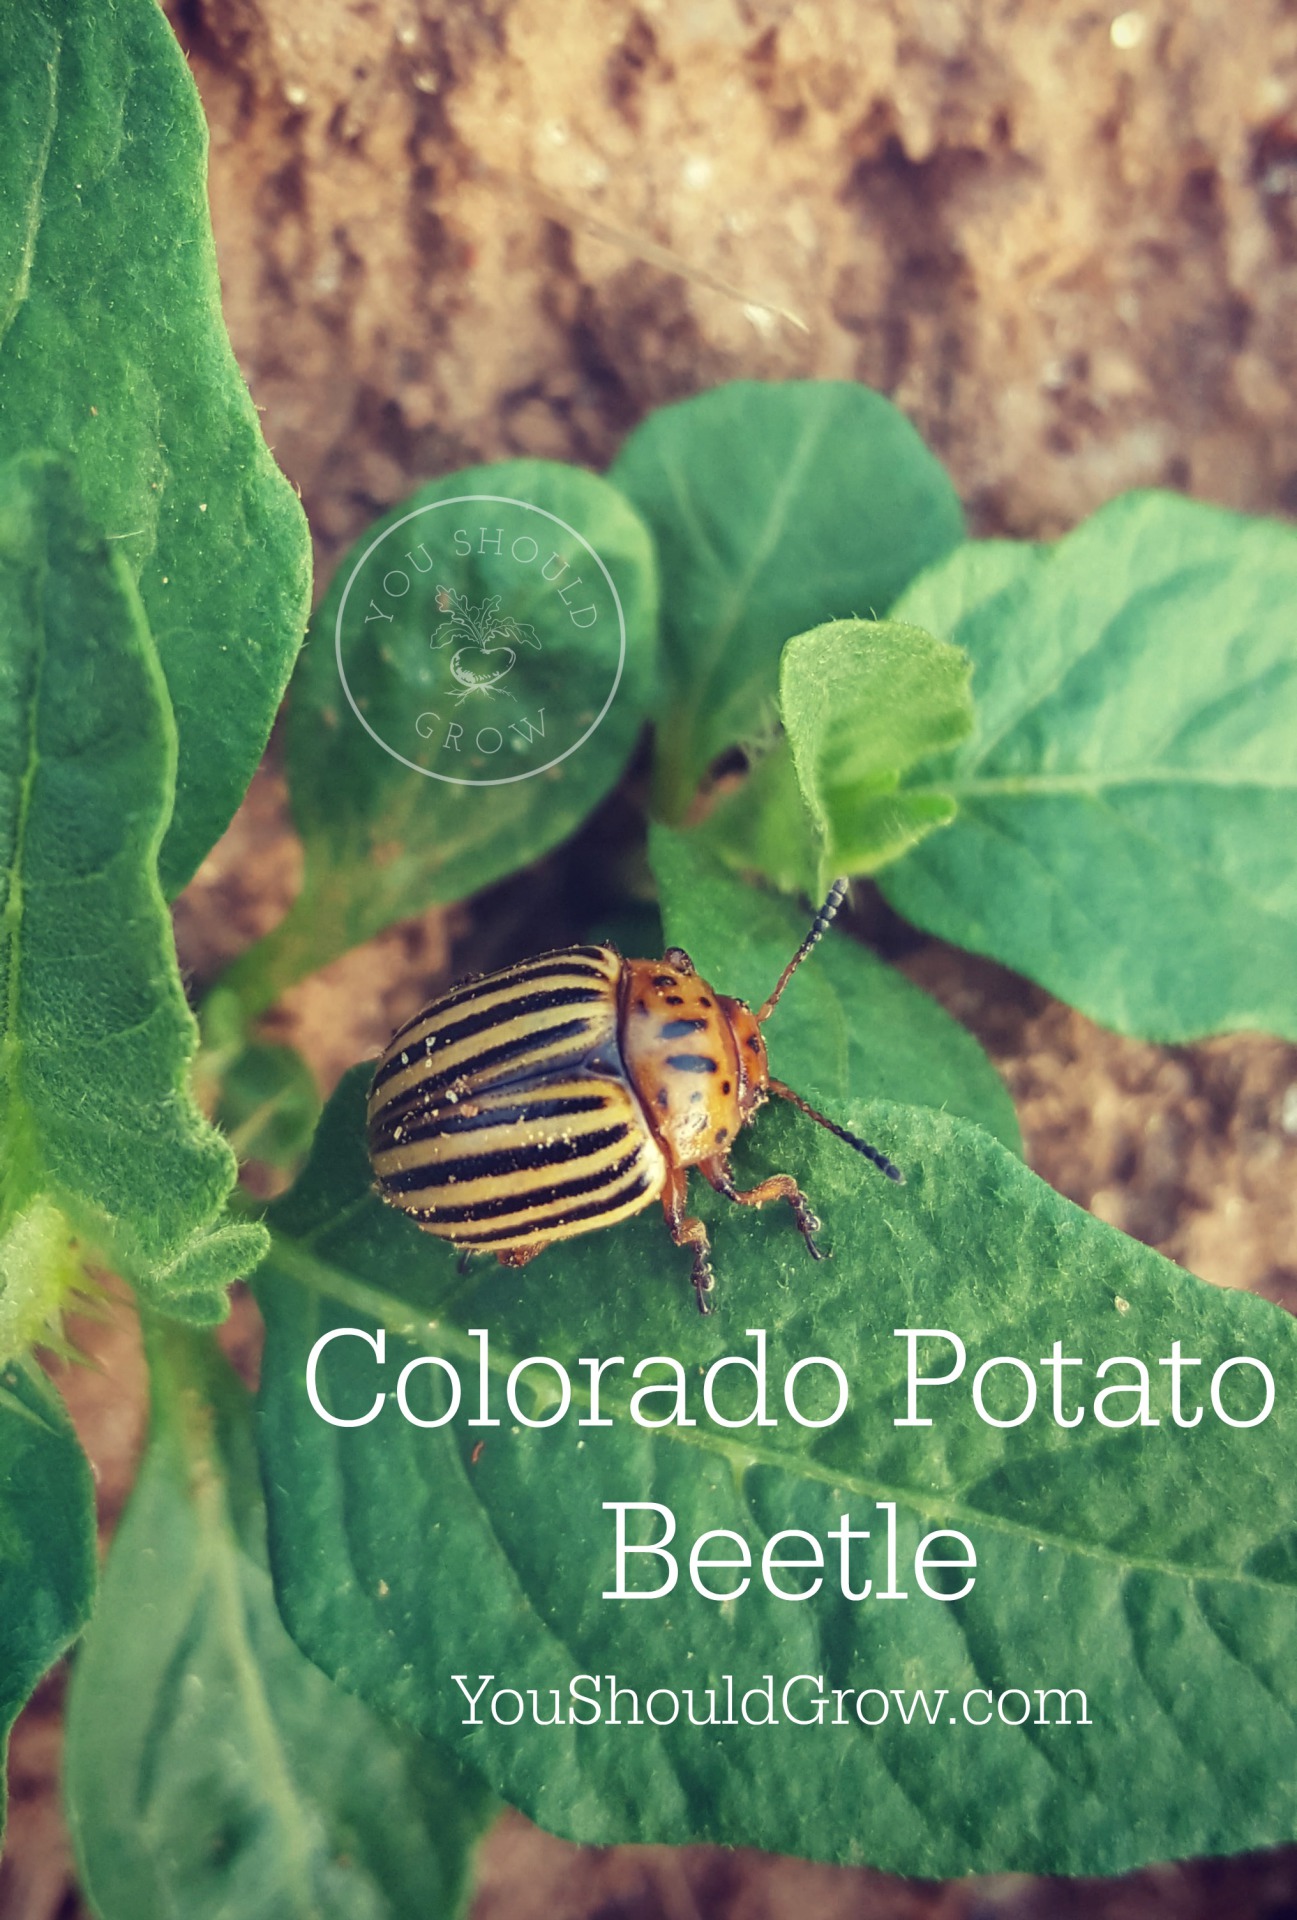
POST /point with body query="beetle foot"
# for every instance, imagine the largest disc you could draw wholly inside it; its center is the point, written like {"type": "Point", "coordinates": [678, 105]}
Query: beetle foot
{"type": "Point", "coordinates": [704, 1281]}
{"type": "Point", "coordinates": [808, 1225]}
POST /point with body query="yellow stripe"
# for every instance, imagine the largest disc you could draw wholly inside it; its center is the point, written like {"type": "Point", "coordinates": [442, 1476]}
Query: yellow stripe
{"type": "Point", "coordinates": [416, 1060]}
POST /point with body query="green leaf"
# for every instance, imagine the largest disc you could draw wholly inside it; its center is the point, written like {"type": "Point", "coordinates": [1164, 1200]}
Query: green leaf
{"type": "Point", "coordinates": [1151, 1567]}
{"type": "Point", "coordinates": [47, 1537]}
{"type": "Point", "coordinates": [269, 1105]}
{"type": "Point", "coordinates": [263, 1097]}
{"type": "Point", "coordinates": [210, 1768]}
{"type": "Point", "coordinates": [763, 825]}
{"type": "Point", "coordinates": [97, 1123]}
{"type": "Point", "coordinates": [410, 785]}
{"type": "Point", "coordinates": [862, 701]}
{"type": "Point", "coordinates": [848, 1027]}
{"type": "Point", "coordinates": [113, 352]}
{"type": "Point", "coordinates": [1128, 803]}
{"type": "Point", "coordinates": [774, 508]}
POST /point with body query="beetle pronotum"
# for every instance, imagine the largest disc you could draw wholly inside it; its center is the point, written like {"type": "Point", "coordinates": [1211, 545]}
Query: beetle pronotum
{"type": "Point", "coordinates": [570, 1091]}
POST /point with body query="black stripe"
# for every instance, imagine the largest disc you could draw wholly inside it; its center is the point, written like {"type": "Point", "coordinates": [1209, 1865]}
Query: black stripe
{"type": "Point", "coordinates": [563, 960]}
{"type": "Point", "coordinates": [468, 1070]}
{"type": "Point", "coordinates": [424, 1095]}
{"type": "Point", "coordinates": [517, 1113]}
{"type": "Point", "coordinates": [527, 1003]}
{"type": "Point", "coordinates": [507, 1161]}
{"type": "Point", "coordinates": [591, 1210]}
{"type": "Point", "coordinates": [421, 1101]}
{"type": "Point", "coordinates": [677, 1029]}
{"type": "Point", "coordinates": [546, 1067]}
{"type": "Point", "coordinates": [483, 1020]}
{"type": "Point", "coordinates": [522, 1204]}
{"type": "Point", "coordinates": [693, 1063]}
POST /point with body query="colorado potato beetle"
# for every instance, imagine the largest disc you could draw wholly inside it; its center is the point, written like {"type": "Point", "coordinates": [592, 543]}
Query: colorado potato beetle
{"type": "Point", "coordinates": [571, 1090]}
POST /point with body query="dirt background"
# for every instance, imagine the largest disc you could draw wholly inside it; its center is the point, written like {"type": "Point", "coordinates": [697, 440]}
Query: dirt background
{"type": "Point", "coordinates": [1063, 237]}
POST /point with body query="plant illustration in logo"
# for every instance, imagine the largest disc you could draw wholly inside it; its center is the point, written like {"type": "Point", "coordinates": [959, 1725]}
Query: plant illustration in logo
{"type": "Point", "coordinates": [486, 634]}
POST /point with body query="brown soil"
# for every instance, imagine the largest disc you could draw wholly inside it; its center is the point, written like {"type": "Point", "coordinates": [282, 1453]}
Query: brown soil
{"type": "Point", "coordinates": [1065, 242]}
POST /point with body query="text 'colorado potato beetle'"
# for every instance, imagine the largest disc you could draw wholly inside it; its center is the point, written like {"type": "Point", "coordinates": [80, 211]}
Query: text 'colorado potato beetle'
{"type": "Point", "coordinates": [569, 1091]}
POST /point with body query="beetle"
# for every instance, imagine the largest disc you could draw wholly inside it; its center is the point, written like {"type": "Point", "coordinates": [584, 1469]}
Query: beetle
{"type": "Point", "coordinates": [570, 1091]}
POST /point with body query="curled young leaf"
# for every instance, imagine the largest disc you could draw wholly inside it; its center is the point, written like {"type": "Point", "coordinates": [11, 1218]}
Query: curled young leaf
{"type": "Point", "coordinates": [862, 701]}
{"type": "Point", "coordinates": [774, 508]}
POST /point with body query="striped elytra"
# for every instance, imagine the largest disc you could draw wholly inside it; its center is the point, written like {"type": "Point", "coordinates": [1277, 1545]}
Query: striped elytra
{"type": "Point", "coordinates": [567, 1092]}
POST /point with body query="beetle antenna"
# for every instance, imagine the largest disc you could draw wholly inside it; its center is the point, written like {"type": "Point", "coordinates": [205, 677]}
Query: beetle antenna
{"type": "Point", "coordinates": [819, 927]}
{"type": "Point", "coordinates": [880, 1160]}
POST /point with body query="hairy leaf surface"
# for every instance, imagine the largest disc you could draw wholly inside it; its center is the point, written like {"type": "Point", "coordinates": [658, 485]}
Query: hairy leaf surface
{"type": "Point", "coordinates": [1127, 806]}
{"type": "Point", "coordinates": [387, 836]}
{"type": "Point", "coordinates": [113, 352]}
{"type": "Point", "coordinates": [97, 1122]}
{"type": "Point", "coordinates": [1152, 1567]}
{"type": "Point", "coordinates": [848, 1027]}
{"type": "Point", "coordinates": [774, 508]}
{"type": "Point", "coordinates": [211, 1769]}
{"type": "Point", "coordinates": [47, 1536]}
{"type": "Point", "coordinates": [862, 701]}
{"type": "Point", "coordinates": [262, 1096]}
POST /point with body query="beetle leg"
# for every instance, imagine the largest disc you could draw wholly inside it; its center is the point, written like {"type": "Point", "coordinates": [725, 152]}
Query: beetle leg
{"type": "Point", "coordinates": [688, 1232]}
{"type": "Point", "coordinates": [779, 1186]}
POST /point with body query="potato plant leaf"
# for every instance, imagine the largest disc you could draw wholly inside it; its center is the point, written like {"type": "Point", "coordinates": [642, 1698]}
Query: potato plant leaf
{"type": "Point", "coordinates": [849, 1027]}
{"type": "Point", "coordinates": [465, 739]}
{"type": "Point", "coordinates": [775, 508]}
{"type": "Point", "coordinates": [210, 1768]}
{"type": "Point", "coordinates": [262, 1096]}
{"type": "Point", "coordinates": [97, 1123]}
{"type": "Point", "coordinates": [1127, 806]}
{"type": "Point", "coordinates": [113, 353]}
{"type": "Point", "coordinates": [47, 1536]}
{"type": "Point", "coordinates": [862, 701]}
{"type": "Point", "coordinates": [1152, 1567]}
{"type": "Point", "coordinates": [764, 826]}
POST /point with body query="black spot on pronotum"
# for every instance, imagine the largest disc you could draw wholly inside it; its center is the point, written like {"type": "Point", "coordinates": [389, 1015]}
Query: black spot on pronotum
{"type": "Point", "coordinates": [726, 1087]}
{"type": "Point", "coordinates": [693, 1063]}
{"type": "Point", "coordinates": [754, 1041]}
{"type": "Point", "coordinates": [641, 1006]}
{"type": "Point", "coordinates": [722, 1135]}
{"type": "Point", "coordinates": [664, 980]}
{"type": "Point", "coordinates": [674, 1000]}
{"type": "Point", "coordinates": [677, 1029]}
{"type": "Point", "coordinates": [663, 1099]}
